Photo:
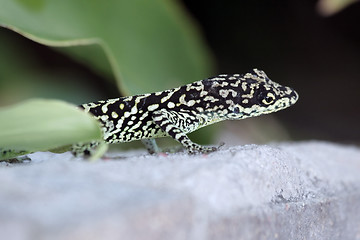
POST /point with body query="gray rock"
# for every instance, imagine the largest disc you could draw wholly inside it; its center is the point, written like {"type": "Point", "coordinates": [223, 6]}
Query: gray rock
{"type": "Point", "coordinates": [307, 190]}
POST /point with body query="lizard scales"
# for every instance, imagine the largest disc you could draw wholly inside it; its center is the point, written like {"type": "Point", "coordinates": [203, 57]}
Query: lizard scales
{"type": "Point", "coordinates": [179, 111]}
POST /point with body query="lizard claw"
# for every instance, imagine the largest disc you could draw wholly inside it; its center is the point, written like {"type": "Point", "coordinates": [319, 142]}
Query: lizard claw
{"type": "Point", "coordinates": [202, 149]}
{"type": "Point", "coordinates": [221, 145]}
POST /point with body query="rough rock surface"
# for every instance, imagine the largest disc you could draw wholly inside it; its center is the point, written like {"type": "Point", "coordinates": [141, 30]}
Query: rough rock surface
{"type": "Point", "coordinates": [308, 190]}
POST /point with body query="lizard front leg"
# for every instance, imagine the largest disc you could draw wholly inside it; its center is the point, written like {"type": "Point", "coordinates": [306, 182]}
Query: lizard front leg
{"type": "Point", "coordinates": [151, 145]}
{"type": "Point", "coordinates": [84, 149]}
{"type": "Point", "coordinates": [175, 124]}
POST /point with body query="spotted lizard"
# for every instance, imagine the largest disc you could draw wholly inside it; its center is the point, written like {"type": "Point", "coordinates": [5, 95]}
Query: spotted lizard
{"type": "Point", "coordinates": [182, 110]}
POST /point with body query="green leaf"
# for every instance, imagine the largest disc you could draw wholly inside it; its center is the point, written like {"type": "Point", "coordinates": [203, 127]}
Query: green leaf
{"type": "Point", "coordinates": [39, 125]}
{"type": "Point", "coordinates": [150, 44]}
{"type": "Point", "coordinates": [330, 7]}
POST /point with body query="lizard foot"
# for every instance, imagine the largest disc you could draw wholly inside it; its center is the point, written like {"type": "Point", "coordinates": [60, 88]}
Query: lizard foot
{"type": "Point", "coordinates": [203, 149]}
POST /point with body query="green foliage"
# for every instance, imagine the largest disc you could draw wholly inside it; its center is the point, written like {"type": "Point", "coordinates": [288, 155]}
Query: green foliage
{"type": "Point", "coordinates": [148, 45]}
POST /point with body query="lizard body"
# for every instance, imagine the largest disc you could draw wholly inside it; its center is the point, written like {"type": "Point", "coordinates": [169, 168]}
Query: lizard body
{"type": "Point", "coordinates": [179, 111]}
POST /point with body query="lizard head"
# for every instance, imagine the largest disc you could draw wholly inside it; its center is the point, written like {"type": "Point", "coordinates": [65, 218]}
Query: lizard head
{"type": "Point", "coordinates": [248, 95]}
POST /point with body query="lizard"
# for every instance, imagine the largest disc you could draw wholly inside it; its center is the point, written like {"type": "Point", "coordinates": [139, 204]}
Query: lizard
{"type": "Point", "coordinates": [182, 110]}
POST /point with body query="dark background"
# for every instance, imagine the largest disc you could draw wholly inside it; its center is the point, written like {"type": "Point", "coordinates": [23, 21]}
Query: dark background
{"type": "Point", "coordinates": [296, 46]}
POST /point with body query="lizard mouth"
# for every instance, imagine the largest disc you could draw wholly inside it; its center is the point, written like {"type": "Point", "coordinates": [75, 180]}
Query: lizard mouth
{"type": "Point", "coordinates": [285, 102]}
{"type": "Point", "coordinates": [294, 96]}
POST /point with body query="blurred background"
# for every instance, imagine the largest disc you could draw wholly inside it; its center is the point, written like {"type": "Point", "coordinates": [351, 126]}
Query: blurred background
{"type": "Point", "coordinates": [308, 45]}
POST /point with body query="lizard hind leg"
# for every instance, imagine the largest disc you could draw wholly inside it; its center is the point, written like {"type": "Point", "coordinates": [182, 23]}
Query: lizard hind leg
{"type": "Point", "coordinates": [84, 149]}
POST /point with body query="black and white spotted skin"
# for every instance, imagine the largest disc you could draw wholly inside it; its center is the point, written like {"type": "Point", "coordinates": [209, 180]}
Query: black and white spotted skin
{"type": "Point", "coordinates": [182, 110]}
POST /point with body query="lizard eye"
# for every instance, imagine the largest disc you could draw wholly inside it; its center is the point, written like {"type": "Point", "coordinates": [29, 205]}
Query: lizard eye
{"type": "Point", "coordinates": [268, 99]}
